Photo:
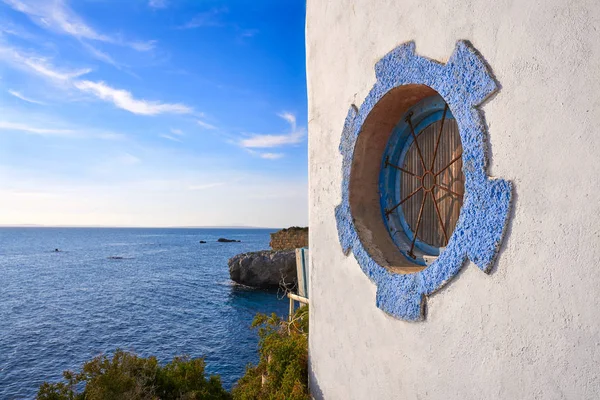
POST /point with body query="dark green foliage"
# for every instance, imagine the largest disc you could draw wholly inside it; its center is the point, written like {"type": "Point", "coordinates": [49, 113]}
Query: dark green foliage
{"type": "Point", "coordinates": [283, 360]}
{"type": "Point", "coordinates": [295, 229]}
{"type": "Point", "coordinates": [129, 377]}
{"type": "Point", "coordinates": [283, 349]}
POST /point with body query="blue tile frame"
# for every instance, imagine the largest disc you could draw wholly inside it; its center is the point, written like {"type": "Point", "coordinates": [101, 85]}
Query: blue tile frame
{"type": "Point", "coordinates": [464, 82]}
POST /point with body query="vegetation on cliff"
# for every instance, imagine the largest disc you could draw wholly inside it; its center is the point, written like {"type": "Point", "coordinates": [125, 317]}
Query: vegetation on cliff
{"type": "Point", "coordinates": [282, 372]}
{"type": "Point", "coordinates": [295, 229]}
{"type": "Point", "coordinates": [128, 376]}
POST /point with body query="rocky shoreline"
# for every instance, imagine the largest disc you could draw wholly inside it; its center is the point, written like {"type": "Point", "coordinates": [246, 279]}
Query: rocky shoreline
{"type": "Point", "coordinates": [266, 269]}
{"type": "Point", "coordinates": [270, 269]}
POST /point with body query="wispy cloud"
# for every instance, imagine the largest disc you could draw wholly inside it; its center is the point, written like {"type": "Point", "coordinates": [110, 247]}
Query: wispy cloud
{"type": "Point", "coordinates": [92, 50]}
{"type": "Point", "coordinates": [271, 156]}
{"type": "Point", "coordinates": [125, 100]}
{"type": "Point", "coordinates": [248, 33]}
{"type": "Point", "coordinates": [205, 19]}
{"type": "Point", "coordinates": [177, 132]}
{"type": "Point", "coordinates": [9, 28]}
{"type": "Point", "coordinates": [121, 98]}
{"type": "Point", "coordinates": [206, 125]}
{"type": "Point", "coordinates": [265, 155]}
{"type": "Point", "coordinates": [39, 65]}
{"type": "Point", "coordinates": [101, 55]}
{"type": "Point", "coordinates": [31, 129]}
{"type": "Point", "coordinates": [106, 58]}
{"type": "Point", "coordinates": [143, 45]}
{"type": "Point", "coordinates": [22, 97]}
{"type": "Point", "coordinates": [56, 16]}
{"type": "Point", "coordinates": [42, 67]}
{"type": "Point", "coordinates": [170, 137]}
{"type": "Point", "coordinates": [12, 126]}
{"type": "Point", "coordinates": [266, 141]}
{"type": "Point", "coordinates": [158, 3]}
{"type": "Point", "coordinates": [128, 159]}
{"type": "Point", "coordinates": [290, 118]}
{"type": "Point", "coordinates": [108, 135]}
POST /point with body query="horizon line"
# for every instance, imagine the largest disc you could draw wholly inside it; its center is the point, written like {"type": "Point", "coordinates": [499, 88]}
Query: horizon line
{"type": "Point", "coordinates": [138, 226]}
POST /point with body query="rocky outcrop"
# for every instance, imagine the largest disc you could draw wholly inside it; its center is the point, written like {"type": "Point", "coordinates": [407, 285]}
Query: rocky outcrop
{"type": "Point", "coordinates": [223, 240]}
{"type": "Point", "coordinates": [290, 238]}
{"type": "Point", "coordinates": [263, 269]}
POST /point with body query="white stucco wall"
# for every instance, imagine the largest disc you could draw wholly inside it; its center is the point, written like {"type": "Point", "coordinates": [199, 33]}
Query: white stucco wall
{"type": "Point", "coordinates": [531, 329]}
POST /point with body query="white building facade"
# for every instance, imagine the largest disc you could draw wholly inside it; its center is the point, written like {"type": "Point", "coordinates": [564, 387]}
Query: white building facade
{"type": "Point", "coordinates": [506, 305]}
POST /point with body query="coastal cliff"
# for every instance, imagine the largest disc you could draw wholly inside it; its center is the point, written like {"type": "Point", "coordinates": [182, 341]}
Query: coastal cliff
{"type": "Point", "coordinates": [265, 269]}
{"type": "Point", "coordinates": [268, 269]}
{"type": "Point", "coordinates": [289, 239]}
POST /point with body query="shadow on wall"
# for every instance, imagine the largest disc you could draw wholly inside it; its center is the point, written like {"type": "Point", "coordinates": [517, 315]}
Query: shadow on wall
{"type": "Point", "coordinates": [315, 390]}
{"type": "Point", "coordinates": [507, 230]}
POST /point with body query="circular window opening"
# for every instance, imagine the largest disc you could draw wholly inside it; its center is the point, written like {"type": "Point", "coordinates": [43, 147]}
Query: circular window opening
{"type": "Point", "coordinates": [421, 180]}
{"type": "Point", "coordinates": [406, 181]}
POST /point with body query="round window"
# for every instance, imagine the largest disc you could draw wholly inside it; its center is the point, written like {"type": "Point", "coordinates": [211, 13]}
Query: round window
{"type": "Point", "coordinates": [421, 180]}
{"type": "Point", "coordinates": [409, 212]}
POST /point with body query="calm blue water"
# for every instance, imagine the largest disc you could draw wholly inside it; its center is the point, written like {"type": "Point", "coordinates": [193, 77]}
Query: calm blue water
{"type": "Point", "coordinates": [169, 296]}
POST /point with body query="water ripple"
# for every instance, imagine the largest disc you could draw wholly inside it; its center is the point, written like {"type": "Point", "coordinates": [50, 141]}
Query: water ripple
{"type": "Point", "coordinates": [168, 296]}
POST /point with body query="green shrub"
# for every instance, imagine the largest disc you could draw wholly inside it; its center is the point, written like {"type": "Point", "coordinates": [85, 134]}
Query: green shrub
{"type": "Point", "coordinates": [283, 364]}
{"type": "Point", "coordinates": [129, 377]}
{"type": "Point", "coordinates": [283, 349]}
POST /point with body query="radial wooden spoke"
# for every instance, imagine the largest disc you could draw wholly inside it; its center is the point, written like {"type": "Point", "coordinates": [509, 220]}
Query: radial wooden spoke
{"type": "Point", "coordinates": [388, 212]}
{"type": "Point", "coordinates": [387, 163]}
{"type": "Point", "coordinates": [448, 190]}
{"type": "Point", "coordinates": [448, 166]}
{"type": "Point", "coordinates": [440, 217]}
{"type": "Point", "coordinates": [437, 143]}
{"type": "Point", "coordinates": [412, 245]}
{"type": "Point", "coordinates": [412, 132]}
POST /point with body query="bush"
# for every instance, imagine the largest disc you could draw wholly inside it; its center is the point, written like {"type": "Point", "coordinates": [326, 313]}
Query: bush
{"type": "Point", "coordinates": [282, 372]}
{"type": "Point", "coordinates": [129, 377]}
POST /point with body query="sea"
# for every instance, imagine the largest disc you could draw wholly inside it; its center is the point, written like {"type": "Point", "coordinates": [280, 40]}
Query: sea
{"type": "Point", "coordinates": [151, 291]}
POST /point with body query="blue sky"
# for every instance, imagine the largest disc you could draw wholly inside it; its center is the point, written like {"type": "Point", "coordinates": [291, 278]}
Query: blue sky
{"type": "Point", "coordinates": [153, 113]}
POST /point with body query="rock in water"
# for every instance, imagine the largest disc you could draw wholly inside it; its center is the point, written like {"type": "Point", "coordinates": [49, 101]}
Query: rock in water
{"type": "Point", "coordinates": [223, 240]}
{"type": "Point", "coordinates": [264, 269]}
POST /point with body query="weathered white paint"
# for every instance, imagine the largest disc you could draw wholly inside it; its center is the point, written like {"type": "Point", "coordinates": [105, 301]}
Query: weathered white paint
{"type": "Point", "coordinates": [531, 329]}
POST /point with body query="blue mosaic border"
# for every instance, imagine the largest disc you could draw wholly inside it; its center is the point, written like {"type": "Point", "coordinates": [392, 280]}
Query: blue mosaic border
{"type": "Point", "coordinates": [464, 82]}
